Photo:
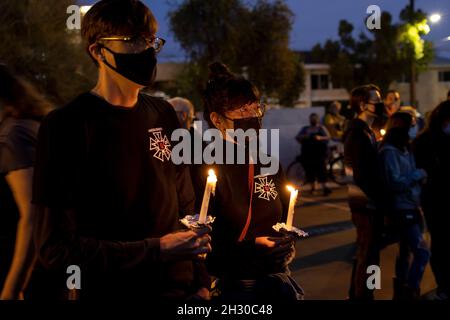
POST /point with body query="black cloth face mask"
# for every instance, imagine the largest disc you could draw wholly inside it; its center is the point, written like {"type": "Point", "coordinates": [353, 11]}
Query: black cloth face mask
{"type": "Point", "coordinates": [137, 67]}
{"type": "Point", "coordinates": [379, 110]}
{"type": "Point", "coordinates": [247, 123]}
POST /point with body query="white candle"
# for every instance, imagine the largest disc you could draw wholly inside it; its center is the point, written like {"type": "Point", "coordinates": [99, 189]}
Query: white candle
{"type": "Point", "coordinates": [292, 201]}
{"type": "Point", "coordinates": [209, 188]}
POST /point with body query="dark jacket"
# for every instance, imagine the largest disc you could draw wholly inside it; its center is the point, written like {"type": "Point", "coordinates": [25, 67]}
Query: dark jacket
{"type": "Point", "coordinates": [432, 153]}
{"type": "Point", "coordinates": [361, 162]}
{"type": "Point", "coordinates": [401, 177]}
{"type": "Point", "coordinates": [231, 258]}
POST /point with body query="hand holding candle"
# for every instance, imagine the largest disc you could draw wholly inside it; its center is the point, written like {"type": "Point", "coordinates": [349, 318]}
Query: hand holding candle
{"type": "Point", "coordinates": [287, 228]}
{"type": "Point", "coordinates": [209, 188]}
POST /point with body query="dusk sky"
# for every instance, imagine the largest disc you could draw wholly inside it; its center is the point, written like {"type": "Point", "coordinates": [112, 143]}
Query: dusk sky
{"type": "Point", "coordinates": [317, 20]}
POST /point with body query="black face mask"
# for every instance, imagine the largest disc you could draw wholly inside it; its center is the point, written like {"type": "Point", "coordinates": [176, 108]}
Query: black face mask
{"type": "Point", "coordinates": [137, 67]}
{"type": "Point", "coordinates": [247, 123]}
{"type": "Point", "coordinates": [379, 109]}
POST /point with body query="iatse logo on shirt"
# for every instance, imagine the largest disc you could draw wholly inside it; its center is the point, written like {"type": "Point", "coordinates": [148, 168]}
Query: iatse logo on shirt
{"type": "Point", "coordinates": [265, 188]}
{"type": "Point", "coordinates": [160, 144]}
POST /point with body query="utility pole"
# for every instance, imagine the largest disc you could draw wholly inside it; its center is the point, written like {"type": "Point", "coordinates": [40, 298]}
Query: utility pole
{"type": "Point", "coordinates": [412, 83]}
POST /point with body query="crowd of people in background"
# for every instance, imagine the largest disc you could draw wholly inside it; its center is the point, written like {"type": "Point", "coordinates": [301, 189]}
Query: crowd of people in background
{"type": "Point", "coordinates": [397, 176]}
{"type": "Point", "coordinates": [86, 190]}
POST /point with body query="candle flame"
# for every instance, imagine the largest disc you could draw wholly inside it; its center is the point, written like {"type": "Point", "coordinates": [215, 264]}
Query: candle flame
{"type": "Point", "coordinates": [291, 188]}
{"type": "Point", "coordinates": [382, 132]}
{"type": "Point", "coordinates": [211, 173]}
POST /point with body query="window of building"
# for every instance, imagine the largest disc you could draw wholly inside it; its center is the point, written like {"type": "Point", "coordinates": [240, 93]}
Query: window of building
{"type": "Point", "coordinates": [444, 76]}
{"type": "Point", "coordinates": [320, 81]}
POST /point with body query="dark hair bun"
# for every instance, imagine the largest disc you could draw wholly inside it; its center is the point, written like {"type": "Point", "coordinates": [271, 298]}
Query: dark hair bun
{"type": "Point", "coordinates": [218, 70]}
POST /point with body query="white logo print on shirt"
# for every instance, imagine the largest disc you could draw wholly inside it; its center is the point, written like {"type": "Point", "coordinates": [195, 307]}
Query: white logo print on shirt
{"type": "Point", "coordinates": [265, 188]}
{"type": "Point", "coordinates": [160, 144]}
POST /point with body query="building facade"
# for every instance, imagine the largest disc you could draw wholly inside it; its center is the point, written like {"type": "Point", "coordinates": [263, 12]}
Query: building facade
{"type": "Point", "coordinates": [431, 88]}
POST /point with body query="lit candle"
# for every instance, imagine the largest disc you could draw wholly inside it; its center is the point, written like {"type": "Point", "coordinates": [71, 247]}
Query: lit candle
{"type": "Point", "coordinates": [382, 132]}
{"type": "Point", "coordinates": [292, 201]}
{"type": "Point", "coordinates": [209, 188]}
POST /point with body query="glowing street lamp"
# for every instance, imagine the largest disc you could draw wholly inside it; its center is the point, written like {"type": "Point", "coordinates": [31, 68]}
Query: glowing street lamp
{"type": "Point", "coordinates": [435, 18]}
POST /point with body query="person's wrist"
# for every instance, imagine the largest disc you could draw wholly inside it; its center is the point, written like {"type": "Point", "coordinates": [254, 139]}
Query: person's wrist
{"type": "Point", "coordinates": [204, 293]}
{"type": "Point", "coordinates": [153, 246]}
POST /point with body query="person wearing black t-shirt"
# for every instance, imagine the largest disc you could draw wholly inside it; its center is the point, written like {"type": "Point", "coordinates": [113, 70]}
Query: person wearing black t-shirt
{"type": "Point", "coordinates": [249, 258]}
{"type": "Point", "coordinates": [109, 196]}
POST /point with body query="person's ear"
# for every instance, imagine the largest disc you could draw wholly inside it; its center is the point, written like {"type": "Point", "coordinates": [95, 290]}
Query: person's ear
{"type": "Point", "coordinates": [219, 122]}
{"type": "Point", "coordinates": [216, 120]}
{"type": "Point", "coordinates": [362, 106]}
{"type": "Point", "coordinates": [96, 52]}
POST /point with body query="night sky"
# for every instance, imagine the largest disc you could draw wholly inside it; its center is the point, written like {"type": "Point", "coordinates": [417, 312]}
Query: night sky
{"type": "Point", "coordinates": [317, 20]}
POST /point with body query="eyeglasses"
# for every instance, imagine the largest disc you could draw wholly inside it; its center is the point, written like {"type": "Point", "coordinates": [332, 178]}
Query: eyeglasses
{"type": "Point", "coordinates": [250, 111]}
{"type": "Point", "coordinates": [138, 44]}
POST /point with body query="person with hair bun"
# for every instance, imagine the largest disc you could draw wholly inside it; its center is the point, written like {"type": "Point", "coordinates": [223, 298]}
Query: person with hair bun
{"type": "Point", "coordinates": [250, 260]}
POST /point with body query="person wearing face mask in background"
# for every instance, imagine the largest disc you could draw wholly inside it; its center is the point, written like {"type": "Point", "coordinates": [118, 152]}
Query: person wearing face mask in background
{"type": "Point", "coordinates": [365, 192]}
{"type": "Point", "coordinates": [403, 180]}
{"type": "Point", "coordinates": [392, 104]}
{"type": "Point", "coordinates": [109, 197]}
{"type": "Point", "coordinates": [432, 152]}
{"type": "Point", "coordinates": [314, 140]}
{"type": "Point", "coordinates": [250, 260]}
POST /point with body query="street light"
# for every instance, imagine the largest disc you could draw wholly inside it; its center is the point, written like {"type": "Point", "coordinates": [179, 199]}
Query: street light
{"type": "Point", "coordinates": [435, 18]}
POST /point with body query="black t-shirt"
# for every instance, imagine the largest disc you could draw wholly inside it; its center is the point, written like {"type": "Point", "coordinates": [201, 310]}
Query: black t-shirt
{"type": "Point", "coordinates": [17, 151]}
{"type": "Point", "coordinates": [109, 170]}
{"type": "Point", "coordinates": [230, 205]}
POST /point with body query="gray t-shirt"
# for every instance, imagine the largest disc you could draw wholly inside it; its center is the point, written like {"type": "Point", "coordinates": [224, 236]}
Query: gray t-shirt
{"type": "Point", "coordinates": [17, 144]}
{"type": "Point", "coordinates": [17, 151]}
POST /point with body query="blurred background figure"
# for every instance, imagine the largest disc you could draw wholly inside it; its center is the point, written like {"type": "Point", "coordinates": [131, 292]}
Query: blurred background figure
{"type": "Point", "coordinates": [366, 195]}
{"type": "Point", "coordinates": [314, 140]}
{"type": "Point", "coordinates": [403, 182]}
{"type": "Point", "coordinates": [21, 110]}
{"type": "Point", "coordinates": [185, 111]}
{"type": "Point", "coordinates": [417, 121]}
{"type": "Point", "coordinates": [334, 122]}
{"type": "Point", "coordinates": [432, 152]}
{"type": "Point", "coordinates": [391, 103]}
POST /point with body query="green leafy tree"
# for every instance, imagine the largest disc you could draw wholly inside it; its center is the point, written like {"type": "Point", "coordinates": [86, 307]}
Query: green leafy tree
{"type": "Point", "coordinates": [251, 40]}
{"type": "Point", "coordinates": [379, 56]}
{"type": "Point", "coordinates": [36, 43]}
